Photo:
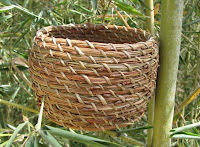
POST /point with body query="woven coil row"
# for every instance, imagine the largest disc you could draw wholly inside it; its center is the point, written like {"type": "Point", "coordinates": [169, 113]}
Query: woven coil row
{"type": "Point", "coordinates": [93, 77]}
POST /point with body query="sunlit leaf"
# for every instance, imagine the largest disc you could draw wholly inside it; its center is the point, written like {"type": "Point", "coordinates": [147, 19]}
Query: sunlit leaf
{"type": "Point", "coordinates": [49, 138]}
{"type": "Point", "coordinates": [19, 128]}
{"type": "Point", "coordinates": [184, 136]}
{"type": "Point", "coordinates": [84, 10]}
{"type": "Point", "coordinates": [128, 8]}
{"type": "Point", "coordinates": [95, 142]}
{"type": "Point", "coordinates": [94, 4]}
{"type": "Point", "coordinates": [6, 8]}
{"type": "Point", "coordinates": [183, 128]}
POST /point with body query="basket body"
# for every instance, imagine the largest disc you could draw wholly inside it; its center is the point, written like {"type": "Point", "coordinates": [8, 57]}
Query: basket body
{"type": "Point", "coordinates": [93, 77]}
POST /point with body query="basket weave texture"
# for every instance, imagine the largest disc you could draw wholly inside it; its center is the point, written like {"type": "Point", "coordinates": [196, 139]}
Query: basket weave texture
{"type": "Point", "coordinates": [93, 77]}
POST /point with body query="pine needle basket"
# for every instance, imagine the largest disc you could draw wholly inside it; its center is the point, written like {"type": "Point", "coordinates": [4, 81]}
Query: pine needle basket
{"type": "Point", "coordinates": [93, 77]}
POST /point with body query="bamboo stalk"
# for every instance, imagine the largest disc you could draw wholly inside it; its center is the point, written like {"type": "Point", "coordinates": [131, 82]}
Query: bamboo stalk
{"type": "Point", "coordinates": [150, 28]}
{"type": "Point", "coordinates": [170, 40]}
{"type": "Point", "coordinates": [150, 18]}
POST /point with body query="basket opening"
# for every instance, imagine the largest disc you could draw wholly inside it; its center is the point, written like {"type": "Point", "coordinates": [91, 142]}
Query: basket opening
{"type": "Point", "coordinates": [101, 35]}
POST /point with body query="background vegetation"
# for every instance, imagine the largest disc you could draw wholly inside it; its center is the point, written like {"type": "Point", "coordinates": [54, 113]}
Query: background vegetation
{"type": "Point", "coordinates": [19, 21]}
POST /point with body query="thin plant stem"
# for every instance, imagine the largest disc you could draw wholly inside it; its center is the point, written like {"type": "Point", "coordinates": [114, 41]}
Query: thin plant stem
{"type": "Point", "coordinates": [124, 21]}
{"type": "Point", "coordinates": [103, 18]}
{"type": "Point", "coordinates": [151, 107]}
{"type": "Point", "coordinates": [18, 106]}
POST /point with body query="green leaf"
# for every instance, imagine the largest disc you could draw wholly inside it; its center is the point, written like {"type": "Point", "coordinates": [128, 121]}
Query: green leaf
{"type": "Point", "coordinates": [8, 2]}
{"type": "Point", "coordinates": [192, 22]}
{"type": "Point", "coordinates": [84, 10]}
{"type": "Point", "coordinates": [144, 4]}
{"type": "Point", "coordinates": [3, 135]}
{"type": "Point", "coordinates": [30, 142]}
{"type": "Point", "coordinates": [36, 142]}
{"type": "Point", "coordinates": [38, 125]}
{"type": "Point", "coordinates": [94, 4]}
{"type": "Point", "coordinates": [15, 93]}
{"type": "Point", "coordinates": [182, 61]}
{"type": "Point", "coordinates": [95, 142]}
{"type": "Point", "coordinates": [190, 13]}
{"type": "Point", "coordinates": [12, 5]}
{"type": "Point", "coordinates": [54, 22]}
{"type": "Point", "coordinates": [180, 129]}
{"type": "Point", "coordinates": [126, 7]}
{"type": "Point", "coordinates": [26, 11]}
{"type": "Point", "coordinates": [17, 30]}
{"type": "Point", "coordinates": [134, 129]}
{"type": "Point", "coordinates": [49, 138]}
{"type": "Point", "coordinates": [76, 12]}
{"type": "Point", "coordinates": [5, 17]}
{"type": "Point", "coordinates": [184, 136]}
{"type": "Point", "coordinates": [6, 8]}
{"type": "Point", "coordinates": [195, 130]}
{"type": "Point", "coordinates": [19, 128]}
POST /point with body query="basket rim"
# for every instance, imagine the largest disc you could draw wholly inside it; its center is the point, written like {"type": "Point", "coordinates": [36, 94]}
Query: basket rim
{"type": "Point", "coordinates": [42, 34]}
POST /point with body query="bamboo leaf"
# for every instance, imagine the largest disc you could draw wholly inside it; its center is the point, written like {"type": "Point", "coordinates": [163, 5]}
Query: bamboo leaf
{"type": "Point", "coordinates": [30, 142]}
{"type": "Point", "coordinates": [49, 138]}
{"type": "Point", "coordinates": [83, 9]}
{"type": "Point", "coordinates": [190, 13]}
{"type": "Point", "coordinates": [11, 5]}
{"type": "Point", "coordinates": [26, 11]}
{"type": "Point", "coordinates": [19, 128]}
{"type": "Point", "coordinates": [17, 30]}
{"type": "Point", "coordinates": [38, 126]}
{"type": "Point", "coordinates": [192, 22]}
{"type": "Point", "coordinates": [5, 17]}
{"type": "Point", "coordinates": [134, 129]}
{"type": "Point", "coordinates": [143, 4]}
{"type": "Point", "coordinates": [8, 2]}
{"type": "Point", "coordinates": [15, 93]}
{"type": "Point", "coordinates": [195, 130]}
{"type": "Point", "coordinates": [94, 4]}
{"type": "Point", "coordinates": [182, 61]}
{"type": "Point", "coordinates": [3, 135]}
{"type": "Point", "coordinates": [180, 129]}
{"type": "Point", "coordinates": [184, 136]}
{"type": "Point", "coordinates": [77, 12]}
{"type": "Point", "coordinates": [6, 8]}
{"type": "Point", "coordinates": [54, 22]}
{"type": "Point", "coordinates": [95, 142]}
{"type": "Point", "coordinates": [36, 142]}
{"type": "Point", "coordinates": [126, 7]}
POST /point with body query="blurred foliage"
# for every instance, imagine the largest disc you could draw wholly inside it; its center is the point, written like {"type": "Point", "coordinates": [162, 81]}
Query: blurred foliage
{"type": "Point", "coordinates": [19, 21]}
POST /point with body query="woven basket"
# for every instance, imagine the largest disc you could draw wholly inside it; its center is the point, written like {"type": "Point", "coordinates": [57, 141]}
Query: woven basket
{"type": "Point", "coordinates": [93, 77]}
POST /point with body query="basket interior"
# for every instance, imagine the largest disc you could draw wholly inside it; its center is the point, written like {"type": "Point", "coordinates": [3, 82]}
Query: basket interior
{"type": "Point", "coordinates": [100, 35]}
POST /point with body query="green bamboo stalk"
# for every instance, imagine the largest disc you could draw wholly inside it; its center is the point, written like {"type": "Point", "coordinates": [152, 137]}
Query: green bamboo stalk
{"type": "Point", "coordinates": [170, 40]}
{"type": "Point", "coordinates": [150, 28]}
{"type": "Point", "coordinates": [150, 14]}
